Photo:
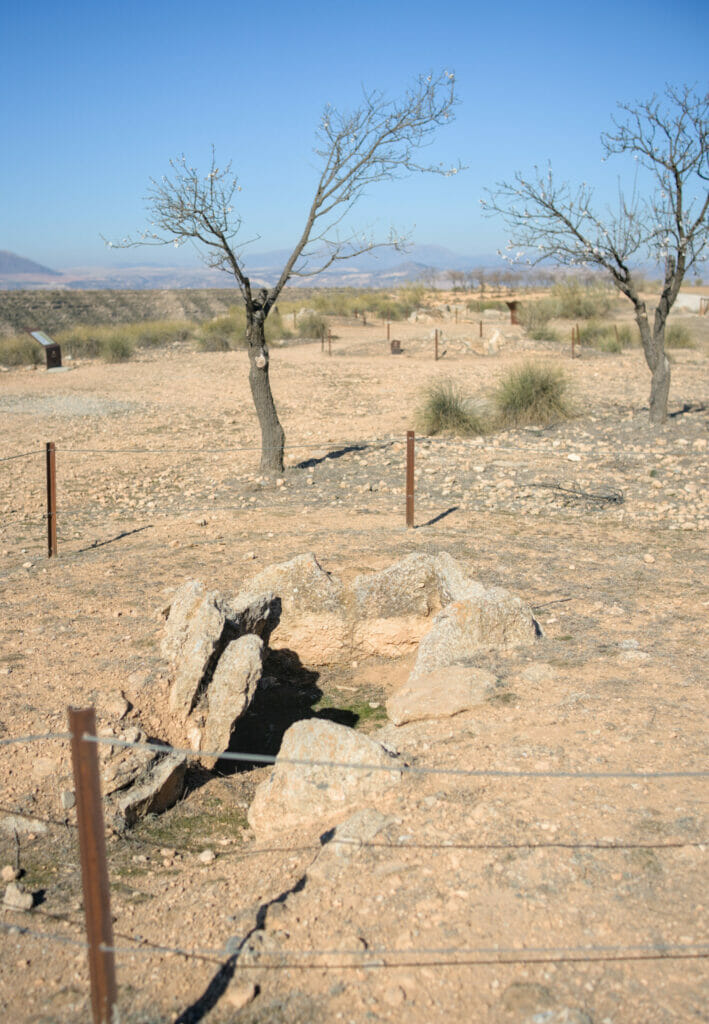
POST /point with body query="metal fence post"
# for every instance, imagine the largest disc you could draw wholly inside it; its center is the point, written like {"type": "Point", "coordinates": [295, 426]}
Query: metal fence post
{"type": "Point", "coordinates": [410, 479]}
{"type": "Point", "coordinates": [51, 500]}
{"type": "Point", "coordinates": [435, 351]}
{"type": "Point", "coordinates": [94, 871]}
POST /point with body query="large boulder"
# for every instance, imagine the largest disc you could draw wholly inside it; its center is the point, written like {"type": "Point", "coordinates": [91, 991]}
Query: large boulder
{"type": "Point", "coordinates": [230, 692]}
{"type": "Point", "coordinates": [301, 585]}
{"type": "Point", "coordinates": [200, 624]}
{"type": "Point", "coordinates": [440, 694]}
{"type": "Point", "coordinates": [312, 619]}
{"type": "Point", "coordinates": [485, 618]}
{"type": "Point", "coordinates": [299, 792]}
{"type": "Point", "coordinates": [391, 609]}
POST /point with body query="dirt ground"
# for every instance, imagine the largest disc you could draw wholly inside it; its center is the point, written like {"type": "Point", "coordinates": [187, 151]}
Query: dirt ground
{"type": "Point", "coordinates": [592, 888]}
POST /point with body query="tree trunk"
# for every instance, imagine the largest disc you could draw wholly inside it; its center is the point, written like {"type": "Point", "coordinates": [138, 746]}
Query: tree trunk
{"type": "Point", "coordinates": [653, 341]}
{"type": "Point", "coordinates": [660, 387]}
{"type": "Point", "coordinates": [272, 435]}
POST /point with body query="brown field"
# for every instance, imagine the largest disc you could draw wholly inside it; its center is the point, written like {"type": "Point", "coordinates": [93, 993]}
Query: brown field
{"type": "Point", "coordinates": [594, 888]}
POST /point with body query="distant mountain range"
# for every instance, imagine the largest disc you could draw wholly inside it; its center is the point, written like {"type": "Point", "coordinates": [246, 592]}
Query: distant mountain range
{"type": "Point", "coordinates": [386, 268]}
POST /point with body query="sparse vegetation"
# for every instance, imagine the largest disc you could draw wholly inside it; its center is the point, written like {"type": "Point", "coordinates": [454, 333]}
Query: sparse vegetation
{"type": "Point", "coordinates": [445, 410]}
{"type": "Point", "coordinates": [532, 394]}
{"type": "Point", "coordinates": [535, 317]}
{"type": "Point", "coordinates": [480, 305]}
{"type": "Point", "coordinates": [20, 351]}
{"type": "Point", "coordinates": [608, 337]}
{"type": "Point", "coordinates": [573, 300]}
{"type": "Point", "coordinates": [311, 325]}
{"type": "Point", "coordinates": [679, 336]}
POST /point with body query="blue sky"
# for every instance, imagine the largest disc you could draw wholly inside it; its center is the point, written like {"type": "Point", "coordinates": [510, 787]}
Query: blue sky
{"type": "Point", "coordinates": [96, 99]}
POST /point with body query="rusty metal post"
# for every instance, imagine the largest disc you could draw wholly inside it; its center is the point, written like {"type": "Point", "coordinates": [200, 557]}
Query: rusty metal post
{"type": "Point", "coordinates": [617, 335]}
{"type": "Point", "coordinates": [481, 328]}
{"type": "Point", "coordinates": [435, 351]}
{"type": "Point", "coordinates": [573, 342]}
{"type": "Point", "coordinates": [410, 478]}
{"type": "Point", "coordinates": [329, 342]}
{"type": "Point", "coordinates": [94, 871]}
{"type": "Point", "coordinates": [51, 500]}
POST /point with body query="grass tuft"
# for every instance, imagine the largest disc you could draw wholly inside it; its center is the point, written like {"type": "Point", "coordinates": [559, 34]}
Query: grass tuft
{"type": "Point", "coordinates": [445, 410]}
{"type": "Point", "coordinates": [533, 394]}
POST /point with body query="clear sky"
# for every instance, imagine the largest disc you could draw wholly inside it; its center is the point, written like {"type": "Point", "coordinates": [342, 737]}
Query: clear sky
{"type": "Point", "coordinates": [96, 98]}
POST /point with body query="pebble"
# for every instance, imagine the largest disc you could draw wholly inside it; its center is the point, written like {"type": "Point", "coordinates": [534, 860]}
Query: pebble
{"type": "Point", "coordinates": [9, 874]}
{"type": "Point", "coordinates": [206, 856]}
{"type": "Point", "coordinates": [67, 799]}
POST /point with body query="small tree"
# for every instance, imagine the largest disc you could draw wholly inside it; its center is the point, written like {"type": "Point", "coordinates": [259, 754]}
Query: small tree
{"type": "Point", "coordinates": [669, 137]}
{"type": "Point", "coordinates": [378, 141]}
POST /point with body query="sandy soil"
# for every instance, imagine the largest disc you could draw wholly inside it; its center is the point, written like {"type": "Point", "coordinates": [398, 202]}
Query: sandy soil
{"type": "Point", "coordinates": [599, 523]}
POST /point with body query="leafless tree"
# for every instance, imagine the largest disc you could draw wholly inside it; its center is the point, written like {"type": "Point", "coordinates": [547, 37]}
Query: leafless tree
{"type": "Point", "coordinates": [669, 138]}
{"type": "Point", "coordinates": [378, 141]}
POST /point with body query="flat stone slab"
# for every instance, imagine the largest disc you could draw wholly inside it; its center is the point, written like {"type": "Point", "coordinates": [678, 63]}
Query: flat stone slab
{"type": "Point", "coordinates": [441, 694]}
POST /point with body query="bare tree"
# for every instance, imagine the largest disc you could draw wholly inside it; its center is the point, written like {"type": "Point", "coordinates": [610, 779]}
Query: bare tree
{"type": "Point", "coordinates": [669, 137]}
{"type": "Point", "coordinates": [378, 141]}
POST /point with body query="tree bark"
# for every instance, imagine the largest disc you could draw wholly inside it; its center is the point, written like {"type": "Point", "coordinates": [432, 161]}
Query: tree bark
{"type": "Point", "coordinates": [272, 435]}
{"type": "Point", "coordinates": [653, 342]}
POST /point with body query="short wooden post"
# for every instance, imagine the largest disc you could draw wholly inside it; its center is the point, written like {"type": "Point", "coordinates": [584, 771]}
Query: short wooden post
{"type": "Point", "coordinates": [410, 478]}
{"type": "Point", "coordinates": [435, 343]}
{"type": "Point", "coordinates": [94, 870]}
{"type": "Point", "coordinates": [51, 500]}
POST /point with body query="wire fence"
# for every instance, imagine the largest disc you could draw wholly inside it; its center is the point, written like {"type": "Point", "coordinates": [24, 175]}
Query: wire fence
{"type": "Point", "coordinates": [160, 500]}
{"type": "Point", "coordinates": [380, 957]}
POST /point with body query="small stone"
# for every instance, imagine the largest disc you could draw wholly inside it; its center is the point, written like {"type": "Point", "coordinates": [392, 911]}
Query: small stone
{"type": "Point", "coordinates": [206, 856]}
{"type": "Point", "coordinates": [9, 874]}
{"type": "Point", "coordinates": [238, 996]}
{"type": "Point", "coordinates": [648, 558]}
{"type": "Point", "coordinates": [573, 457]}
{"type": "Point", "coordinates": [67, 799]}
{"type": "Point", "coordinates": [27, 565]}
{"type": "Point", "coordinates": [16, 898]}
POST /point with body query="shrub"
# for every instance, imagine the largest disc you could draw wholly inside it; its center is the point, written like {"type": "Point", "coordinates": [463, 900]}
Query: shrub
{"type": "Point", "coordinates": [311, 325]}
{"type": "Point", "coordinates": [446, 410]}
{"type": "Point", "coordinates": [116, 348]}
{"type": "Point", "coordinates": [20, 351]}
{"type": "Point", "coordinates": [576, 301]}
{"type": "Point", "coordinates": [480, 305]}
{"type": "Point", "coordinates": [608, 337]}
{"type": "Point", "coordinates": [534, 317]}
{"type": "Point", "coordinates": [532, 394]}
{"type": "Point", "coordinates": [678, 336]}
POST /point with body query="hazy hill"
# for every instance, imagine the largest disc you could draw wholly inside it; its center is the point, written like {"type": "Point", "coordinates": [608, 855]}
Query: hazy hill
{"type": "Point", "coordinates": [11, 263]}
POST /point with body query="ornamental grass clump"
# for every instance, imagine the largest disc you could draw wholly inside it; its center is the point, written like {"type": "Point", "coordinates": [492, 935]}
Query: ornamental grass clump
{"type": "Point", "coordinates": [445, 410]}
{"type": "Point", "coordinates": [533, 394]}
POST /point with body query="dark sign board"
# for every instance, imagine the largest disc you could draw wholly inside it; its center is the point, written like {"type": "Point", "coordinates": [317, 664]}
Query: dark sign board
{"type": "Point", "coordinates": [52, 351]}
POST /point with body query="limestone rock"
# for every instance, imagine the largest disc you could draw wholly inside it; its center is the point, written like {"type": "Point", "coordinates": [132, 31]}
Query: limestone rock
{"type": "Point", "coordinates": [299, 794]}
{"type": "Point", "coordinates": [192, 640]}
{"type": "Point", "coordinates": [301, 584]}
{"type": "Point", "coordinates": [230, 692]}
{"type": "Point", "coordinates": [17, 898]}
{"type": "Point", "coordinates": [440, 694]}
{"type": "Point", "coordinates": [341, 844]}
{"type": "Point", "coordinates": [485, 618]}
{"type": "Point", "coordinates": [158, 788]}
{"type": "Point", "coordinates": [415, 585]}
{"type": "Point", "coordinates": [199, 626]}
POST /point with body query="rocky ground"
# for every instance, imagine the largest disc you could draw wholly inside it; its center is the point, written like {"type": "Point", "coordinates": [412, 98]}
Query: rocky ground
{"type": "Point", "coordinates": [598, 524]}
